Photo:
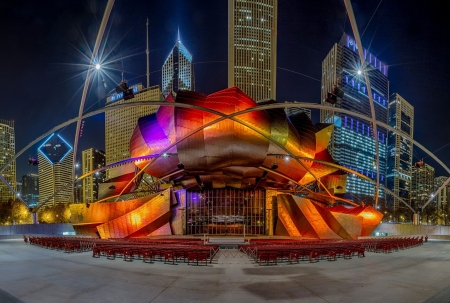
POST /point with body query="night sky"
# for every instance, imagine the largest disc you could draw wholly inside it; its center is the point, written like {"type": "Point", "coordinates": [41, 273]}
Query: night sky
{"type": "Point", "coordinates": [45, 50]}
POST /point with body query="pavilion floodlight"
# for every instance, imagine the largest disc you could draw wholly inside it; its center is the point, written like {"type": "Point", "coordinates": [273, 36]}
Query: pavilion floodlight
{"type": "Point", "coordinates": [334, 94]}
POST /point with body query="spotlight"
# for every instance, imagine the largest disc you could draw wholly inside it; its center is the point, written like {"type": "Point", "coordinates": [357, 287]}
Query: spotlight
{"type": "Point", "coordinates": [112, 187]}
{"type": "Point", "coordinates": [33, 161]}
{"type": "Point", "coordinates": [359, 72]}
{"type": "Point", "coordinates": [97, 66]}
{"type": "Point", "coordinates": [331, 98]}
{"type": "Point", "coordinates": [87, 205]}
{"type": "Point", "coordinates": [274, 166]}
{"type": "Point", "coordinates": [180, 165]}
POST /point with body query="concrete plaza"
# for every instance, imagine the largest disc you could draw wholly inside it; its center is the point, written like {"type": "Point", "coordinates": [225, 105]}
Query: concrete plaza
{"type": "Point", "coordinates": [33, 274]}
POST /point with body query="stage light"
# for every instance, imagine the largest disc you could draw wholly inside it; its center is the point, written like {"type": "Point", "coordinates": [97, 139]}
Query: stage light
{"type": "Point", "coordinates": [97, 66]}
{"type": "Point", "coordinates": [274, 166]}
{"type": "Point", "coordinates": [359, 72]}
{"type": "Point", "coordinates": [180, 165]}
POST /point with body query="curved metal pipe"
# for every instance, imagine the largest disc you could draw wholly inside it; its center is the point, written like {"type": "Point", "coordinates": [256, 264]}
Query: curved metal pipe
{"type": "Point", "coordinates": [351, 17]}
{"type": "Point", "coordinates": [98, 40]}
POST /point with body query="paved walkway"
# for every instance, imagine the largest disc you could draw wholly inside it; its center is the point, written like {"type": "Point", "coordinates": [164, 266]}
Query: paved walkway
{"type": "Point", "coordinates": [36, 275]}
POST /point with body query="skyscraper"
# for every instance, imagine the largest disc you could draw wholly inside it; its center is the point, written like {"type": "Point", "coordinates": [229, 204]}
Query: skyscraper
{"type": "Point", "coordinates": [92, 159]}
{"type": "Point", "coordinates": [7, 151]}
{"type": "Point", "coordinates": [422, 184]}
{"type": "Point", "coordinates": [178, 70]}
{"type": "Point", "coordinates": [353, 144]}
{"type": "Point", "coordinates": [399, 150]}
{"type": "Point", "coordinates": [30, 189]}
{"type": "Point", "coordinates": [55, 171]}
{"type": "Point", "coordinates": [252, 47]}
{"type": "Point", "coordinates": [442, 198]}
{"type": "Point", "coordinates": [120, 124]}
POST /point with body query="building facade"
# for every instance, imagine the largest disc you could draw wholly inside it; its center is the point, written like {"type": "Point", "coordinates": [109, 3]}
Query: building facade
{"type": "Point", "coordinates": [441, 199]}
{"type": "Point", "coordinates": [292, 111]}
{"type": "Point", "coordinates": [7, 151]}
{"type": "Point", "coordinates": [55, 157]}
{"type": "Point", "coordinates": [178, 70]}
{"type": "Point", "coordinates": [120, 124]}
{"type": "Point", "coordinates": [92, 159]}
{"type": "Point", "coordinates": [353, 144]}
{"type": "Point", "coordinates": [422, 184]}
{"type": "Point", "coordinates": [399, 150]}
{"type": "Point", "coordinates": [252, 47]}
{"type": "Point", "coordinates": [30, 189]}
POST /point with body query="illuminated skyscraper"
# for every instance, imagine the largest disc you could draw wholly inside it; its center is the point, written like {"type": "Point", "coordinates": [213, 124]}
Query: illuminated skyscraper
{"type": "Point", "coordinates": [7, 151]}
{"type": "Point", "coordinates": [30, 189]}
{"type": "Point", "coordinates": [252, 47]}
{"type": "Point", "coordinates": [120, 124]}
{"type": "Point", "coordinates": [55, 171]}
{"type": "Point", "coordinates": [178, 70]}
{"type": "Point", "coordinates": [353, 144]}
{"type": "Point", "coordinates": [92, 159]}
{"type": "Point", "coordinates": [422, 184]}
{"type": "Point", "coordinates": [400, 150]}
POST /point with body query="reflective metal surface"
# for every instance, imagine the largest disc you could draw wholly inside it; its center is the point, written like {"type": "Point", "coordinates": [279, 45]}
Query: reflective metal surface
{"type": "Point", "coordinates": [229, 153]}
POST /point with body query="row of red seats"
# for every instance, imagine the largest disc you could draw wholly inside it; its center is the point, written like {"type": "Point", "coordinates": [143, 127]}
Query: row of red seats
{"type": "Point", "coordinates": [148, 250]}
{"type": "Point", "coordinates": [272, 251]}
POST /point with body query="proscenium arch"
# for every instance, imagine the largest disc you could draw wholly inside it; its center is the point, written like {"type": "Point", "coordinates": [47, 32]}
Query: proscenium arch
{"type": "Point", "coordinates": [262, 107]}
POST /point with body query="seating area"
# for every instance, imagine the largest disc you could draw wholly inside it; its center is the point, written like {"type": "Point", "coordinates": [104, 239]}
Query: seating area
{"type": "Point", "coordinates": [274, 251]}
{"type": "Point", "coordinates": [168, 251]}
{"type": "Point", "coordinates": [193, 251]}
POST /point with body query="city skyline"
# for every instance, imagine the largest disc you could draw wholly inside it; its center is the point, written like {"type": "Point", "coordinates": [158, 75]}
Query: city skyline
{"type": "Point", "coordinates": [303, 42]}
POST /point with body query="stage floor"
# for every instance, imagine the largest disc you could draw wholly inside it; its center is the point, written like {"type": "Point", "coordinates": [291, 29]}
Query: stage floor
{"type": "Point", "coordinates": [35, 275]}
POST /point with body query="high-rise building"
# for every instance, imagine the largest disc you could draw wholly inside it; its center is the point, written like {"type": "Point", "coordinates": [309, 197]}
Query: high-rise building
{"type": "Point", "coordinates": [120, 124]}
{"type": "Point", "coordinates": [442, 198]}
{"type": "Point", "coordinates": [30, 189]}
{"type": "Point", "coordinates": [7, 151]}
{"type": "Point", "coordinates": [292, 111]}
{"type": "Point", "coordinates": [422, 184]}
{"type": "Point", "coordinates": [252, 47]}
{"type": "Point", "coordinates": [92, 159]}
{"type": "Point", "coordinates": [353, 144]}
{"type": "Point", "coordinates": [178, 70]}
{"type": "Point", "coordinates": [55, 171]}
{"type": "Point", "coordinates": [399, 150]}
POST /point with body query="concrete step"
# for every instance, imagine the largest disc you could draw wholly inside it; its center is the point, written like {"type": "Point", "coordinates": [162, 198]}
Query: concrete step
{"type": "Point", "coordinates": [226, 241]}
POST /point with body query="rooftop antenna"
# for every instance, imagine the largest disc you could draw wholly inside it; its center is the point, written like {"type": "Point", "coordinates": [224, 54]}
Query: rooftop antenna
{"type": "Point", "coordinates": [147, 52]}
{"type": "Point", "coordinates": [179, 39]}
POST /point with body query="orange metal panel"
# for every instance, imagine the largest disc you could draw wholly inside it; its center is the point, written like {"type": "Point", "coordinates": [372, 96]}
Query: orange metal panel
{"type": "Point", "coordinates": [139, 222]}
